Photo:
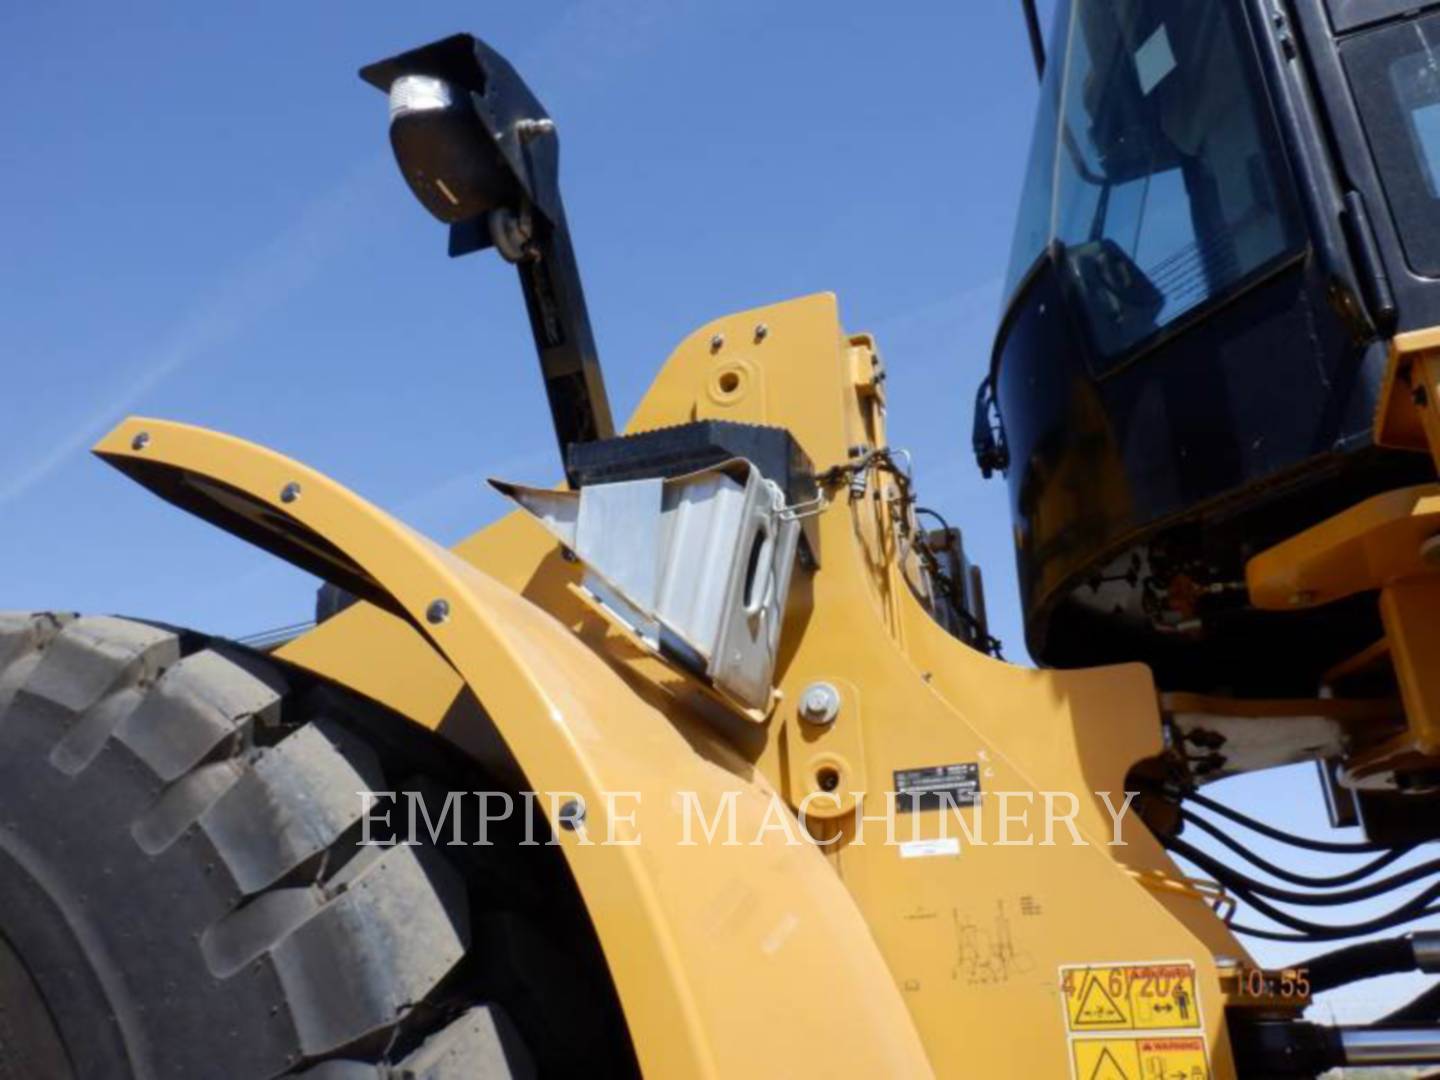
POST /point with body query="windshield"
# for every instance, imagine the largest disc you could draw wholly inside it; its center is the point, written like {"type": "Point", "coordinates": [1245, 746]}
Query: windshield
{"type": "Point", "coordinates": [1153, 164]}
{"type": "Point", "coordinates": [1395, 72]}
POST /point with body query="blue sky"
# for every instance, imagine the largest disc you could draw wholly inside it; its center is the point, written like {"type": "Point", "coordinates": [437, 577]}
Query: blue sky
{"type": "Point", "coordinates": [202, 221]}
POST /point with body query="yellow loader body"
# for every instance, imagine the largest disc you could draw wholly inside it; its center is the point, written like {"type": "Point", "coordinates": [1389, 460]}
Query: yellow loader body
{"type": "Point", "coordinates": [1026, 933]}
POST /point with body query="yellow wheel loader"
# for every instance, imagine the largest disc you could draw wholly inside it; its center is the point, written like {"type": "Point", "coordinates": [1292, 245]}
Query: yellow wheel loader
{"type": "Point", "coordinates": [703, 762]}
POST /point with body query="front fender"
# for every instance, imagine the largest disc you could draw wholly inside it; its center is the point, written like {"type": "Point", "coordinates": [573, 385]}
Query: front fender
{"type": "Point", "coordinates": [728, 960]}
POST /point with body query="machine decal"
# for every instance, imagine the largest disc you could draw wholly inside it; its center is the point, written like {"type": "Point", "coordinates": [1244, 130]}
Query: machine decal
{"type": "Point", "coordinates": [1141, 997]}
{"type": "Point", "coordinates": [1134, 1022]}
{"type": "Point", "coordinates": [937, 786]}
{"type": "Point", "coordinates": [925, 849]}
{"type": "Point", "coordinates": [1164, 1058]}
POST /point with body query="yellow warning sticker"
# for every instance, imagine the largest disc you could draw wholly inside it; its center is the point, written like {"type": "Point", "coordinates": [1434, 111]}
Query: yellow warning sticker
{"type": "Point", "coordinates": [1130, 997]}
{"type": "Point", "coordinates": [1176, 1057]}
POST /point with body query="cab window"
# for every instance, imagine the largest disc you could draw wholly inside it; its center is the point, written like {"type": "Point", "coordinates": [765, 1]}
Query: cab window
{"type": "Point", "coordinates": [1167, 189]}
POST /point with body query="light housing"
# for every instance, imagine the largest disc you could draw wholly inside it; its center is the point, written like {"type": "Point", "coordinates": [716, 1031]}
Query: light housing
{"type": "Point", "coordinates": [445, 155]}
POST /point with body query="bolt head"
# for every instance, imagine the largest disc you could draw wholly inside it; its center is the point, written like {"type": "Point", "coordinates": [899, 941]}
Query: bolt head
{"type": "Point", "coordinates": [820, 703]}
{"type": "Point", "coordinates": [761, 332]}
{"type": "Point", "coordinates": [1430, 552]}
{"type": "Point", "coordinates": [572, 814]}
{"type": "Point", "coordinates": [717, 342]}
{"type": "Point", "coordinates": [437, 612]}
{"type": "Point", "coordinates": [290, 492]}
{"type": "Point", "coordinates": [140, 441]}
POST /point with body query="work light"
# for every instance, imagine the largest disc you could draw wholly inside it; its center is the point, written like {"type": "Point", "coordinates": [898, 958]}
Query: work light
{"type": "Point", "coordinates": [444, 152]}
{"type": "Point", "coordinates": [481, 154]}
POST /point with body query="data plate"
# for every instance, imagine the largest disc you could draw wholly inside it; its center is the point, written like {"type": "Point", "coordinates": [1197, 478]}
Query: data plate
{"type": "Point", "coordinates": [937, 786]}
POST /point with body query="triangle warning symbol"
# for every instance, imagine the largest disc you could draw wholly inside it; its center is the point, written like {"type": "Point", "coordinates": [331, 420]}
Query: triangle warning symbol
{"type": "Point", "coordinates": [1098, 1007]}
{"type": "Point", "coordinates": [1107, 1068]}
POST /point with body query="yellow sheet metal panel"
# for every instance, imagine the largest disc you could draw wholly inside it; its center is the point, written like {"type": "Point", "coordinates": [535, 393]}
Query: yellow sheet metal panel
{"type": "Point", "coordinates": [1407, 415]}
{"type": "Point", "coordinates": [1408, 611]}
{"type": "Point", "coordinates": [716, 951]}
{"type": "Point", "coordinates": [1375, 542]}
{"type": "Point", "coordinates": [974, 937]}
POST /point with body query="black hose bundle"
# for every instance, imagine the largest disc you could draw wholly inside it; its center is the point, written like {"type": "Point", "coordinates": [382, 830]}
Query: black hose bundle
{"type": "Point", "coordinates": [1329, 846]}
{"type": "Point", "coordinates": [1351, 886]}
{"type": "Point", "coordinates": [1253, 893]}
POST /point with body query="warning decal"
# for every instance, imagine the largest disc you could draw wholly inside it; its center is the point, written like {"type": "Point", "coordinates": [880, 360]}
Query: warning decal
{"type": "Point", "coordinates": [1161, 1058]}
{"type": "Point", "coordinates": [1129, 997]}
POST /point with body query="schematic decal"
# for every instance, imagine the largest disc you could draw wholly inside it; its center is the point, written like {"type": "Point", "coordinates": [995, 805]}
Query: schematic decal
{"type": "Point", "coordinates": [1130, 997]}
{"type": "Point", "coordinates": [1177, 1057]}
{"type": "Point", "coordinates": [937, 787]}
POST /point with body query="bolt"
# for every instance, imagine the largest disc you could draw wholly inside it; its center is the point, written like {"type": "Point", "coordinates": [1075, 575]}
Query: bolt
{"type": "Point", "coordinates": [437, 612]}
{"type": "Point", "coordinates": [761, 332]}
{"type": "Point", "coordinates": [717, 342]}
{"type": "Point", "coordinates": [568, 555]}
{"type": "Point", "coordinates": [572, 814]}
{"type": "Point", "coordinates": [533, 129]}
{"type": "Point", "coordinates": [1430, 552]}
{"type": "Point", "coordinates": [820, 703]}
{"type": "Point", "coordinates": [140, 441]}
{"type": "Point", "coordinates": [290, 492]}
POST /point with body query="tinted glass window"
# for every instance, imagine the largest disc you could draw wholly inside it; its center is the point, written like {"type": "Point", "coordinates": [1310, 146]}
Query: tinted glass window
{"type": "Point", "coordinates": [1395, 73]}
{"type": "Point", "coordinates": [1037, 199]}
{"type": "Point", "coordinates": [1167, 190]}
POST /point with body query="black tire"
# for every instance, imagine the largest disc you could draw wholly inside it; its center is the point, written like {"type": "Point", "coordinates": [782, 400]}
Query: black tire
{"type": "Point", "coordinates": [182, 893]}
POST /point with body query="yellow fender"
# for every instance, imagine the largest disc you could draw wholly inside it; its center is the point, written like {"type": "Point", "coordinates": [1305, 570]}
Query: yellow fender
{"type": "Point", "coordinates": [747, 960]}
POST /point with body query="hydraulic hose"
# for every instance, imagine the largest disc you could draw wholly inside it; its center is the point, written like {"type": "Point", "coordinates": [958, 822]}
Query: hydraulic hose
{"type": "Point", "coordinates": [1329, 846]}
{"type": "Point", "coordinates": [1414, 908]}
{"type": "Point", "coordinates": [1347, 878]}
{"type": "Point", "coordinates": [1363, 961]}
{"type": "Point", "coordinates": [1340, 896]}
{"type": "Point", "coordinates": [1423, 1008]}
